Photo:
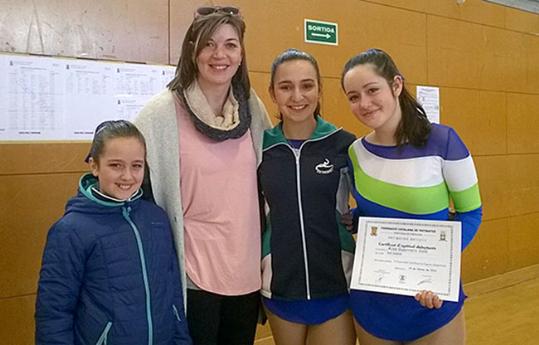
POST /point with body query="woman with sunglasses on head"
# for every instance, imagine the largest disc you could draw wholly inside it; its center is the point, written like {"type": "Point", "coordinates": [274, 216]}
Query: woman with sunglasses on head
{"type": "Point", "coordinates": [307, 253]}
{"type": "Point", "coordinates": [406, 168]}
{"type": "Point", "coordinates": [204, 137]}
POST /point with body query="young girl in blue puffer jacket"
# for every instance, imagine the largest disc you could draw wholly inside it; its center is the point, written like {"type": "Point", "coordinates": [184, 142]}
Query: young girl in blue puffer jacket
{"type": "Point", "coordinates": [109, 273]}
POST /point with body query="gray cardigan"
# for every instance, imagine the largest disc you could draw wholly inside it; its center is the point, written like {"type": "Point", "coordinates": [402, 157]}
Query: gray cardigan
{"type": "Point", "coordinates": [157, 122]}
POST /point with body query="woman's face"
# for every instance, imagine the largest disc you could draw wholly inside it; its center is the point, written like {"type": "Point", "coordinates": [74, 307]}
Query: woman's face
{"type": "Point", "coordinates": [219, 60]}
{"type": "Point", "coordinates": [120, 169]}
{"type": "Point", "coordinates": [295, 90]}
{"type": "Point", "coordinates": [372, 100]}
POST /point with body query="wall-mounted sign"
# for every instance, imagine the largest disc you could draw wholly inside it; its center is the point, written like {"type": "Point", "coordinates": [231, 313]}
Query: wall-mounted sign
{"type": "Point", "coordinates": [320, 32]}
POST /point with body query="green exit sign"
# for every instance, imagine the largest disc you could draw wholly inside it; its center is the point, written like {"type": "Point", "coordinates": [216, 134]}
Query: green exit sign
{"type": "Point", "coordinates": [320, 32]}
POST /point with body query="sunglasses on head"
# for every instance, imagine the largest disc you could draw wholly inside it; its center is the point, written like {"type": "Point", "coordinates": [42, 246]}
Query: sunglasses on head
{"type": "Point", "coordinates": [207, 10]}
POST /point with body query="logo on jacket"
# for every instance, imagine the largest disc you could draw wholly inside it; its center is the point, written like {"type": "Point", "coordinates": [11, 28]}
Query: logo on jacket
{"type": "Point", "coordinates": [324, 168]}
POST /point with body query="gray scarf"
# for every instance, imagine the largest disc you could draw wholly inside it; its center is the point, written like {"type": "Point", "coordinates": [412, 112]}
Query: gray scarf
{"type": "Point", "coordinates": [233, 131]}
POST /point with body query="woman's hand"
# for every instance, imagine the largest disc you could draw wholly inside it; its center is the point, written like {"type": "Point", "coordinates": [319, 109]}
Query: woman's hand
{"type": "Point", "coordinates": [348, 220]}
{"type": "Point", "coordinates": [428, 299]}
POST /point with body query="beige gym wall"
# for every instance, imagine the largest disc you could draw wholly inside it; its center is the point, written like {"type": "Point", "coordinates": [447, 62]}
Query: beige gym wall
{"type": "Point", "coordinates": [483, 57]}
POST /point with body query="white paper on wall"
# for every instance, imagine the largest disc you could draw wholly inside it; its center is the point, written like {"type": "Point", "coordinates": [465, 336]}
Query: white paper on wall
{"type": "Point", "coordinates": [44, 98]}
{"type": "Point", "coordinates": [429, 98]}
{"type": "Point", "coordinates": [34, 98]}
{"type": "Point", "coordinates": [88, 97]}
{"type": "Point", "coordinates": [3, 100]}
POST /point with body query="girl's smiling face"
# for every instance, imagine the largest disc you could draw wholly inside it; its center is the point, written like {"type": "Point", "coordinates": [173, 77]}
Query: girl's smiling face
{"type": "Point", "coordinates": [120, 167]}
{"type": "Point", "coordinates": [373, 100]}
{"type": "Point", "coordinates": [295, 90]}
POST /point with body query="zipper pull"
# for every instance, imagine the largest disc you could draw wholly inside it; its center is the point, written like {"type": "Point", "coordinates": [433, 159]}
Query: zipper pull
{"type": "Point", "coordinates": [126, 210]}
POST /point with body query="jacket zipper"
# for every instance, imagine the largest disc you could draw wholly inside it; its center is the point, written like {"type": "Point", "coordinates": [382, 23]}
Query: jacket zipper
{"type": "Point", "coordinates": [125, 212]}
{"type": "Point", "coordinates": [103, 338]}
{"type": "Point", "coordinates": [175, 310]}
{"type": "Point", "coordinates": [297, 155]}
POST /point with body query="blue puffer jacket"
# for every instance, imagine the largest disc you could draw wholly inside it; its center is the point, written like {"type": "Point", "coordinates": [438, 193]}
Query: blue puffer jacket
{"type": "Point", "coordinates": [110, 275]}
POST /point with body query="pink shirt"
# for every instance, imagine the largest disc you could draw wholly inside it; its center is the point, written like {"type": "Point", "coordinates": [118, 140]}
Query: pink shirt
{"type": "Point", "coordinates": [220, 209]}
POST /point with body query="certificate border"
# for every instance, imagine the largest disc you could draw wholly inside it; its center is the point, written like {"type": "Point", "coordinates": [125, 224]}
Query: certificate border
{"type": "Point", "coordinates": [406, 222]}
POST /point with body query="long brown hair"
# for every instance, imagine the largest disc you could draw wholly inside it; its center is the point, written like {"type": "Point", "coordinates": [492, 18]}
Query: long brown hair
{"type": "Point", "coordinates": [197, 36]}
{"type": "Point", "coordinates": [414, 126]}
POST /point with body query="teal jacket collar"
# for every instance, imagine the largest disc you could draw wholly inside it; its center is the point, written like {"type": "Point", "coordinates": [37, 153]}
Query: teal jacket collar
{"type": "Point", "coordinates": [89, 187]}
{"type": "Point", "coordinates": [275, 135]}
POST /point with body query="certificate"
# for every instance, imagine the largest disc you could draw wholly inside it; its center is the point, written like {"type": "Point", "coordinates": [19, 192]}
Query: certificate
{"type": "Point", "coordinates": [405, 256]}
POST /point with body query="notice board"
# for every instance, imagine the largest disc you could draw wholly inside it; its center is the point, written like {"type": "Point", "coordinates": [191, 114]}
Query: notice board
{"type": "Point", "coordinates": [49, 98]}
